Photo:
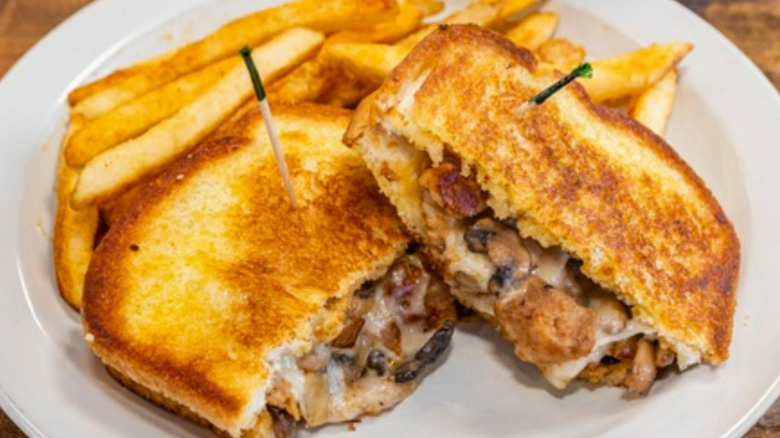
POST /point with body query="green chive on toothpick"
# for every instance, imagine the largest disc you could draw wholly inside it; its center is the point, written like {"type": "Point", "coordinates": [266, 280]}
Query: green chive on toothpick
{"type": "Point", "coordinates": [584, 70]}
{"type": "Point", "coordinates": [265, 109]}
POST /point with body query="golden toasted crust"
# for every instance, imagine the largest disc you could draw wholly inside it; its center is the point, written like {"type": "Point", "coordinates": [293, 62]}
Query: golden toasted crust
{"type": "Point", "coordinates": [577, 175]}
{"type": "Point", "coordinates": [262, 428]}
{"type": "Point", "coordinates": [211, 268]}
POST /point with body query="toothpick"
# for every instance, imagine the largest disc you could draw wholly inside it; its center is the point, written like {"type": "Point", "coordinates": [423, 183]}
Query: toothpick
{"type": "Point", "coordinates": [583, 70]}
{"type": "Point", "coordinates": [273, 134]}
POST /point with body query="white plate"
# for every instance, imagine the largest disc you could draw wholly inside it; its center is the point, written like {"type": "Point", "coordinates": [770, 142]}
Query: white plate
{"type": "Point", "coordinates": [725, 124]}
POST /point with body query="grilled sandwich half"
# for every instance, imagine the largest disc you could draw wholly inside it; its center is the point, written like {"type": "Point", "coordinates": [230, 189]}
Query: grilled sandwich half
{"type": "Point", "coordinates": [582, 236]}
{"type": "Point", "coordinates": [215, 298]}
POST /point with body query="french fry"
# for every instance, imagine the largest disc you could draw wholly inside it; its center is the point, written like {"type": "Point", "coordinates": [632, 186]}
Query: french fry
{"type": "Point", "coordinates": [74, 233]}
{"type": "Point", "coordinates": [653, 106]}
{"type": "Point", "coordinates": [119, 168]}
{"type": "Point", "coordinates": [370, 62]}
{"type": "Point", "coordinates": [428, 7]}
{"type": "Point", "coordinates": [312, 79]}
{"type": "Point", "coordinates": [366, 77]}
{"type": "Point", "coordinates": [133, 118]}
{"type": "Point", "coordinates": [534, 30]}
{"type": "Point", "coordinates": [561, 53]}
{"type": "Point", "coordinates": [511, 12]}
{"type": "Point", "coordinates": [482, 13]}
{"type": "Point", "coordinates": [304, 84]}
{"type": "Point", "coordinates": [512, 8]}
{"type": "Point", "coordinates": [629, 74]}
{"type": "Point", "coordinates": [406, 21]}
{"type": "Point", "coordinates": [322, 15]}
{"type": "Point", "coordinates": [347, 92]}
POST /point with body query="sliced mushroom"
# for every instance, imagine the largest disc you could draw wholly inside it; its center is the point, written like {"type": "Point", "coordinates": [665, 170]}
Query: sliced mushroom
{"type": "Point", "coordinates": [428, 354]}
{"type": "Point", "coordinates": [377, 361]}
{"type": "Point", "coordinates": [611, 314]}
{"type": "Point", "coordinates": [316, 360]}
{"type": "Point", "coordinates": [503, 246]}
{"type": "Point", "coordinates": [664, 357]}
{"type": "Point", "coordinates": [284, 423]}
{"type": "Point", "coordinates": [642, 373]}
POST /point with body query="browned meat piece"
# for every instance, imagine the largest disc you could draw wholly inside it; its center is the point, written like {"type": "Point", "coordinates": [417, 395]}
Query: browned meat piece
{"type": "Point", "coordinates": [547, 325]}
{"type": "Point", "coordinates": [458, 195]}
{"type": "Point", "coordinates": [641, 375]}
{"type": "Point", "coordinates": [391, 338]}
{"type": "Point", "coordinates": [609, 374]}
{"type": "Point", "coordinates": [611, 370]}
{"type": "Point", "coordinates": [349, 334]}
{"type": "Point", "coordinates": [439, 304]}
{"type": "Point", "coordinates": [407, 283]}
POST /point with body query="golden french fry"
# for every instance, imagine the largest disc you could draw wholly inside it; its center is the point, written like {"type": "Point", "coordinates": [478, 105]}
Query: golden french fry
{"type": "Point", "coordinates": [482, 12]}
{"type": "Point", "coordinates": [429, 7]}
{"type": "Point", "coordinates": [629, 74]}
{"type": "Point", "coordinates": [511, 8]}
{"type": "Point", "coordinates": [534, 30]}
{"type": "Point", "coordinates": [314, 78]}
{"type": "Point", "coordinates": [511, 12]}
{"type": "Point", "coordinates": [406, 21]}
{"type": "Point", "coordinates": [304, 84]}
{"type": "Point", "coordinates": [119, 168]}
{"type": "Point", "coordinates": [133, 118]}
{"type": "Point", "coordinates": [347, 92]}
{"type": "Point", "coordinates": [367, 74]}
{"type": "Point", "coordinates": [114, 79]}
{"type": "Point", "coordinates": [370, 62]}
{"type": "Point", "coordinates": [653, 106]}
{"type": "Point", "coordinates": [323, 15]}
{"type": "Point", "coordinates": [562, 53]}
{"type": "Point", "coordinates": [74, 233]}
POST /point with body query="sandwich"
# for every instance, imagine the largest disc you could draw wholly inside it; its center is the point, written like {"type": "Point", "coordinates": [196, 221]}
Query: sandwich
{"type": "Point", "coordinates": [215, 298]}
{"type": "Point", "coordinates": [579, 234]}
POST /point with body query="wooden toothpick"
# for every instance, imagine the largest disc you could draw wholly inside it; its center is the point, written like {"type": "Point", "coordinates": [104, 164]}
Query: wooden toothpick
{"type": "Point", "coordinates": [584, 70]}
{"type": "Point", "coordinates": [273, 134]}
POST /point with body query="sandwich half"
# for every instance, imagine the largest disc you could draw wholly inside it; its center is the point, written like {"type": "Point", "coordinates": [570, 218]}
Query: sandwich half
{"type": "Point", "coordinates": [215, 298]}
{"type": "Point", "coordinates": [579, 234]}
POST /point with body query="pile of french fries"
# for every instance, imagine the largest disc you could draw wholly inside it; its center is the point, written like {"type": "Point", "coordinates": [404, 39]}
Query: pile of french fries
{"type": "Point", "coordinates": [129, 126]}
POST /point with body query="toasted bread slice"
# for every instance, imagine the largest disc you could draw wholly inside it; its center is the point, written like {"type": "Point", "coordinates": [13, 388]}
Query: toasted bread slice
{"type": "Point", "coordinates": [583, 179]}
{"type": "Point", "coordinates": [211, 285]}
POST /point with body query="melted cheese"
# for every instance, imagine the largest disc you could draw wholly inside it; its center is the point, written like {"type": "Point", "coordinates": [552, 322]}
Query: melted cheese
{"type": "Point", "coordinates": [559, 375]}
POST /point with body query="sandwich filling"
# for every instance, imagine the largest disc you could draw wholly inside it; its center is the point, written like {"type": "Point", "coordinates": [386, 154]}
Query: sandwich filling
{"type": "Point", "coordinates": [395, 329]}
{"type": "Point", "coordinates": [537, 297]}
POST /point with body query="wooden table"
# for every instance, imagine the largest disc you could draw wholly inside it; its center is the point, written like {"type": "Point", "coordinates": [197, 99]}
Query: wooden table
{"type": "Point", "coordinates": [753, 24]}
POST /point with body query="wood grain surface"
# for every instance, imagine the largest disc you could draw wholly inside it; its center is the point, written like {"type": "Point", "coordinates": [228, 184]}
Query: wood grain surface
{"type": "Point", "coordinates": [754, 25]}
